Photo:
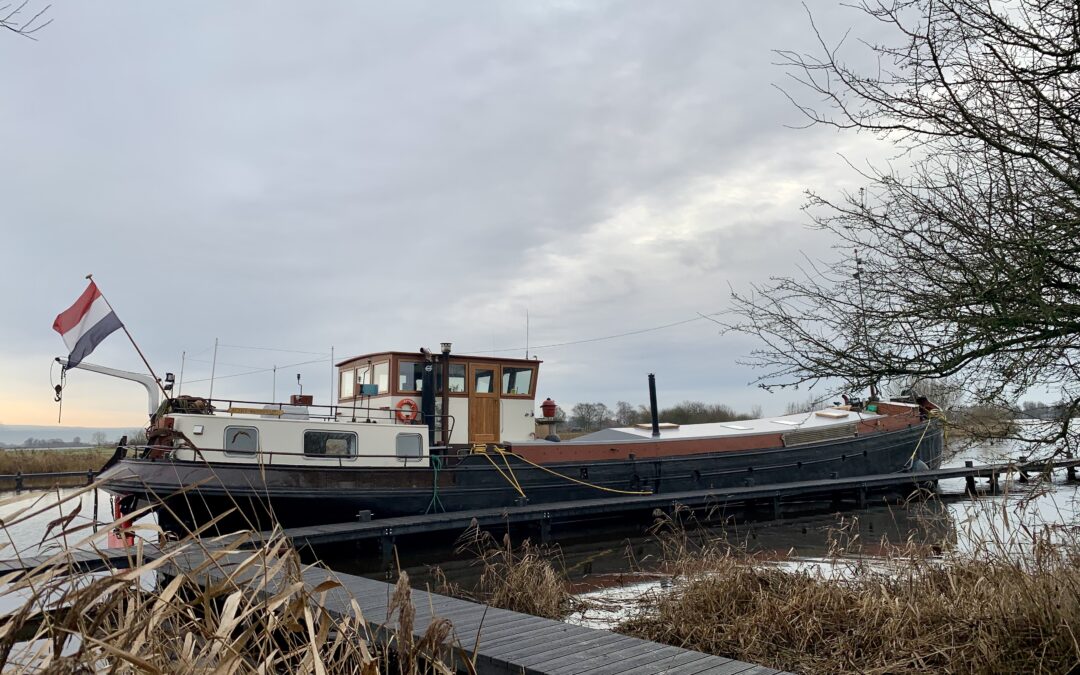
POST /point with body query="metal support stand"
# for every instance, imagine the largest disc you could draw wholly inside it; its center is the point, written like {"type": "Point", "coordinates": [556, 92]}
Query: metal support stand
{"type": "Point", "coordinates": [386, 548]}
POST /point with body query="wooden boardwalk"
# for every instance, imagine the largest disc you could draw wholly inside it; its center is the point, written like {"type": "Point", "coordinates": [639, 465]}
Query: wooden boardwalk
{"type": "Point", "coordinates": [503, 642]}
{"type": "Point", "coordinates": [100, 560]}
{"type": "Point", "coordinates": [496, 641]}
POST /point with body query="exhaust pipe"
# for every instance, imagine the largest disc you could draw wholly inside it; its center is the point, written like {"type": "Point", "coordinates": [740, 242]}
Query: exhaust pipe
{"type": "Point", "coordinates": [652, 406]}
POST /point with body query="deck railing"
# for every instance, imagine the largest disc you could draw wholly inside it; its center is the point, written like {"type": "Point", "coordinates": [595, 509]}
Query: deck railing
{"type": "Point", "coordinates": [326, 413]}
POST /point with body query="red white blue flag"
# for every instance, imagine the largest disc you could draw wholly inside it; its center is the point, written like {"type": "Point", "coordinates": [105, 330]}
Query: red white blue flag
{"type": "Point", "coordinates": [85, 324]}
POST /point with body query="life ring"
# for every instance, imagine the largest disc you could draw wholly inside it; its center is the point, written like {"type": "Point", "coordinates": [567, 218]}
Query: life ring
{"type": "Point", "coordinates": [407, 411]}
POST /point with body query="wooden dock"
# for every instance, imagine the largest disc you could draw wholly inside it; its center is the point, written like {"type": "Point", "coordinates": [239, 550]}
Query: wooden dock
{"type": "Point", "coordinates": [496, 641]}
{"type": "Point", "coordinates": [503, 642]}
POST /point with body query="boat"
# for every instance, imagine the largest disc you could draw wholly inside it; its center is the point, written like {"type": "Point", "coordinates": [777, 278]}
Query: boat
{"type": "Point", "coordinates": [421, 432]}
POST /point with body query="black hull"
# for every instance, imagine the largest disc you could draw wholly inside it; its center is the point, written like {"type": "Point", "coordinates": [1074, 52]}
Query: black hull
{"type": "Point", "coordinates": [298, 495]}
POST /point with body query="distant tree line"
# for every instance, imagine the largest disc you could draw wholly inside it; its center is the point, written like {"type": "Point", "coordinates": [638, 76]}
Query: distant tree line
{"type": "Point", "coordinates": [594, 416]}
{"type": "Point", "coordinates": [47, 443]}
{"type": "Point", "coordinates": [97, 439]}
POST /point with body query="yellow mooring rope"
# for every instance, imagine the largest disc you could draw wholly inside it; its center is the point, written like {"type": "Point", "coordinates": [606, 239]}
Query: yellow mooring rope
{"type": "Point", "coordinates": [512, 479]}
{"type": "Point", "coordinates": [933, 414]}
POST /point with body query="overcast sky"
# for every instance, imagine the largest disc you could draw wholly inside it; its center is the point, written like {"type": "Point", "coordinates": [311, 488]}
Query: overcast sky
{"type": "Point", "coordinates": [374, 176]}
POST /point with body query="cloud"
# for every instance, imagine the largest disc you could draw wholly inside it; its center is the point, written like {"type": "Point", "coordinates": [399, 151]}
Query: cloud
{"type": "Point", "coordinates": [389, 176]}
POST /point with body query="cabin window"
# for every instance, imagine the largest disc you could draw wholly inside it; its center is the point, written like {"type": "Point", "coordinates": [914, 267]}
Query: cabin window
{"type": "Point", "coordinates": [363, 375]}
{"type": "Point", "coordinates": [409, 446]}
{"type": "Point", "coordinates": [410, 376]}
{"type": "Point", "coordinates": [484, 381]}
{"type": "Point", "coordinates": [329, 444]}
{"type": "Point", "coordinates": [241, 440]}
{"type": "Point", "coordinates": [457, 378]}
{"type": "Point", "coordinates": [516, 381]}
{"type": "Point", "coordinates": [381, 376]}
{"type": "Point", "coordinates": [348, 384]}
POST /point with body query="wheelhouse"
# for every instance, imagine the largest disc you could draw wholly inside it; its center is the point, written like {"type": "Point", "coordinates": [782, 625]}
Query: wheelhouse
{"type": "Point", "coordinates": [477, 399]}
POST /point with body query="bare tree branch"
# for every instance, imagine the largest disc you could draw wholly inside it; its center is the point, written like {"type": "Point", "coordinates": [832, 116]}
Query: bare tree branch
{"type": "Point", "coordinates": [13, 19]}
{"type": "Point", "coordinates": [969, 258]}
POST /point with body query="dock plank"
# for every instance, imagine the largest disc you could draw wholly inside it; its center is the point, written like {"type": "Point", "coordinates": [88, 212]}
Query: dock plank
{"type": "Point", "coordinates": [504, 642]}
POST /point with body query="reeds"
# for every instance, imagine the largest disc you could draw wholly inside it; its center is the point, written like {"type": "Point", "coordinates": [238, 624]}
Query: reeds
{"type": "Point", "coordinates": [986, 610]}
{"type": "Point", "coordinates": [37, 461]}
{"type": "Point", "coordinates": [232, 604]}
{"type": "Point", "coordinates": [521, 579]}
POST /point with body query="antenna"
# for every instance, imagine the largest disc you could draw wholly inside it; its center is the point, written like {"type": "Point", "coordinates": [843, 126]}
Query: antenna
{"type": "Point", "coordinates": [526, 332]}
{"type": "Point", "coordinates": [180, 384]}
{"type": "Point", "coordinates": [213, 367]}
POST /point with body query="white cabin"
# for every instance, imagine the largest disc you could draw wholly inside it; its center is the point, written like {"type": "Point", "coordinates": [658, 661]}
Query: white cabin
{"type": "Point", "coordinates": [487, 400]}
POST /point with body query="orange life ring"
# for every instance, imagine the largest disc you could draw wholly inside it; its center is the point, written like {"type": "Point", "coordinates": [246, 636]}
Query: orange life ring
{"type": "Point", "coordinates": [407, 410]}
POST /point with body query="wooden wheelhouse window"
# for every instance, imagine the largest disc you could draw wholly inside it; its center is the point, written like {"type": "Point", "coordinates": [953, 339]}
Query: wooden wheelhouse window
{"type": "Point", "coordinates": [241, 440]}
{"type": "Point", "coordinates": [329, 444]}
{"type": "Point", "coordinates": [410, 376]}
{"type": "Point", "coordinates": [484, 380]}
{"type": "Point", "coordinates": [458, 378]}
{"type": "Point", "coordinates": [517, 381]}
{"type": "Point", "coordinates": [380, 374]}
{"type": "Point", "coordinates": [347, 384]}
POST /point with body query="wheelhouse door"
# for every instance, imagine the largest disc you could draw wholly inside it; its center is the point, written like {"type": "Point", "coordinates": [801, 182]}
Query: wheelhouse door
{"type": "Point", "coordinates": [484, 403]}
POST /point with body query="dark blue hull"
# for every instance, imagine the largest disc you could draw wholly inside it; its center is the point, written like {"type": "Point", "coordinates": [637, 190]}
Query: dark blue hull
{"type": "Point", "coordinates": [298, 496]}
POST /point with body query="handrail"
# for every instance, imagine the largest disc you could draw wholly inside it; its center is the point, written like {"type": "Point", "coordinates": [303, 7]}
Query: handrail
{"type": "Point", "coordinates": [336, 411]}
{"type": "Point", "coordinates": [268, 455]}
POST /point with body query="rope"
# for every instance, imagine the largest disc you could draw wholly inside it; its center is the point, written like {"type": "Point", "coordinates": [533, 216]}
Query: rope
{"type": "Point", "coordinates": [506, 454]}
{"type": "Point", "coordinates": [933, 414]}
{"type": "Point", "coordinates": [482, 450]}
{"type": "Point", "coordinates": [435, 503]}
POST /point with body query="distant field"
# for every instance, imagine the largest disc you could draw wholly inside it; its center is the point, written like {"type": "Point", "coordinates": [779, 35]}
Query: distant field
{"type": "Point", "coordinates": [40, 460]}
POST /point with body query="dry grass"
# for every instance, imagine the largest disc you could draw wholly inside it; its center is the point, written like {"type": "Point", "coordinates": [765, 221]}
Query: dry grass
{"type": "Point", "coordinates": [521, 579]}
{"type": "Point", "coordinates": [35, 461]}
{"type": "Point", "coordinates": [218, 608]}
{"type": "Point", "coordinates": [987, 611]}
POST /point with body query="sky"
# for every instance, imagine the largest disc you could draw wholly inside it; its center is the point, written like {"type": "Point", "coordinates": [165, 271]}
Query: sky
{"type": "Point", "coordinates": [368, 176]}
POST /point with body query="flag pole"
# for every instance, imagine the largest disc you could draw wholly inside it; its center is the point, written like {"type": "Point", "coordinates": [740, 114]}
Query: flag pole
{"type": "Point", "coordinates": [90, 277]}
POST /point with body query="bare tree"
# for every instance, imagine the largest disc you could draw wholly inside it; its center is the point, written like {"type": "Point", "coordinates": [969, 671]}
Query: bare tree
{"type": "Point", "coordinates": [961, 258]}
{"type": "Point", "coordinates": [14, 18]}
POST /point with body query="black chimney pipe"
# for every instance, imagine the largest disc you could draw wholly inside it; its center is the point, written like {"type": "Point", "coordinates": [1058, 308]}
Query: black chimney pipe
{"type": "Point", "coordinates": [652, 406]}
{"type": "Point", "coordinates": [427, 401]}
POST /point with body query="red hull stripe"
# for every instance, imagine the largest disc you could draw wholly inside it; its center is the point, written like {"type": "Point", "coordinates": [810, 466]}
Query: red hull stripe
{"type": "Point", "coordinates": [71, 316]}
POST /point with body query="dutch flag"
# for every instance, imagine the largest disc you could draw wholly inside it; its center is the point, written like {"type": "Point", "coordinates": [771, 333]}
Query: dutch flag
{"type": "Point", "coordinates": [85, 324]}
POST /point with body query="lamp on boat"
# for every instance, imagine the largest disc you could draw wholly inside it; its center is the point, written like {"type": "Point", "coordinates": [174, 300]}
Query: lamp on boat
{"type": "Point", "coordinates": [445, 348]}
{"type": "Point", "coordinates": [169, 380]}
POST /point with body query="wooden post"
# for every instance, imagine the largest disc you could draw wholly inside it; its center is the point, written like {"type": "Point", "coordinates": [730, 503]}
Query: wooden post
{"type": "Point", "coordinates": [969, 480]}
{"type": "Point", "coordinates": [777, 513]}
{"type": "Point", "coordinates": [860, 497]}
{"type": "Point", "coordinates": [994, 487]}
{"type": "Point", "coordinates": [545, 528]}
{"type": "Point", "coordinates": [1070, 470]}
{"type": "Point", "coordinates": [18, 481]}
